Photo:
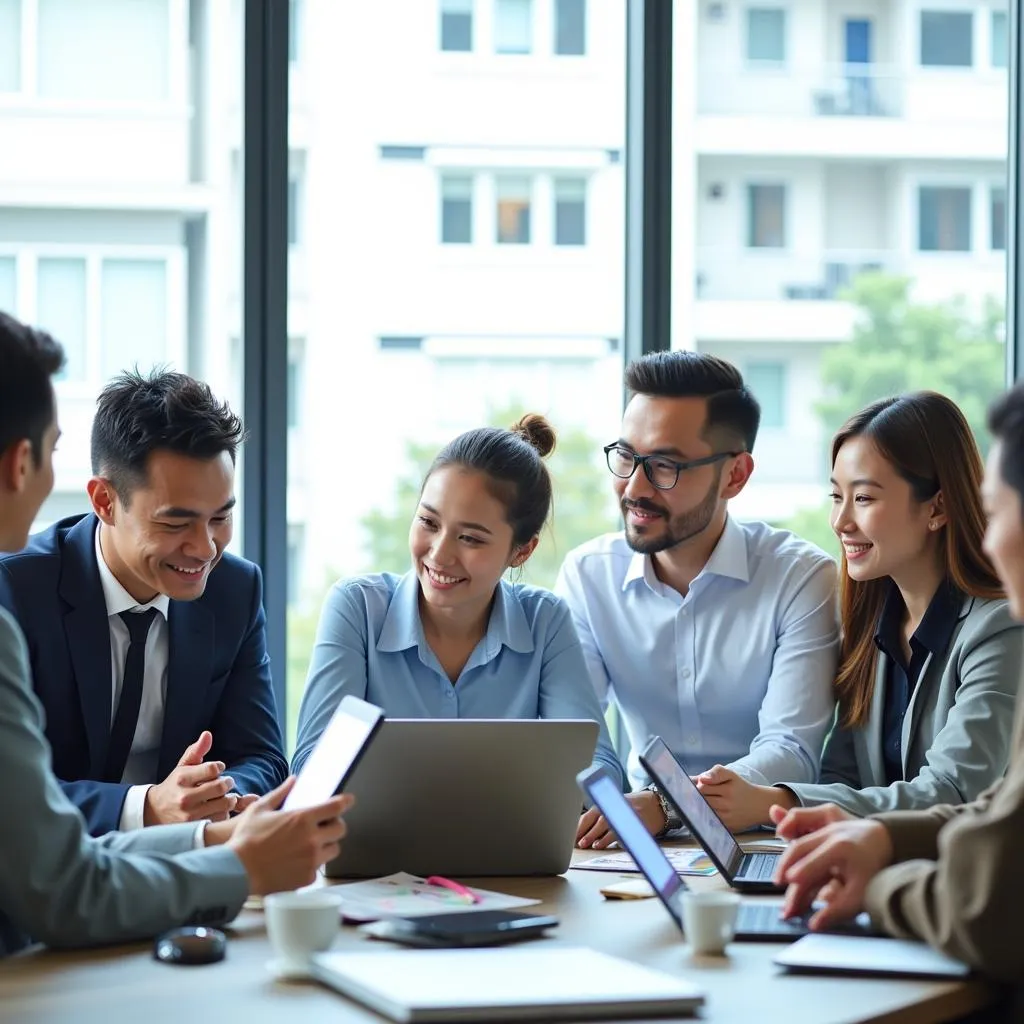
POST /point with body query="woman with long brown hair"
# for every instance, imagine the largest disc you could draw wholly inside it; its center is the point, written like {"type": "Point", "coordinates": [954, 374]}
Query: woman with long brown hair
{"type": "Point", "coordinates": [930, 658]}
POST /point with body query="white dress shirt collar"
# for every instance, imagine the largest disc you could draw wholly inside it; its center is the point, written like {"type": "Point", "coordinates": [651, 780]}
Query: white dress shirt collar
{"type": "Point", "coordinates": [116, 597]}
{"type": "Point", "coordinates": [729, 558]}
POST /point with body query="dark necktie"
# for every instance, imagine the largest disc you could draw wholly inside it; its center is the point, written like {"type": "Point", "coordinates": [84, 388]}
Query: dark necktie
{"type": "Point", "coordinates": [122, 732]}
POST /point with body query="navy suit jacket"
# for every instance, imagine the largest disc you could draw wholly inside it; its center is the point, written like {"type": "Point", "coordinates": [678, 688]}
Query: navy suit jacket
{"type": "Point", "coordinates": [218, 672]}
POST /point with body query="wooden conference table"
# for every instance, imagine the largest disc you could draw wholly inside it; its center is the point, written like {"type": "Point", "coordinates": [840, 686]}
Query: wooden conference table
{"type": "Point", "coordinates": [125, 983]}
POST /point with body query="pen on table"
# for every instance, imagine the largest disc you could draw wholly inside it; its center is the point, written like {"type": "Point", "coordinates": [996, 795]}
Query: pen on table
{"type": "Point", "coordinates": [456, 887]}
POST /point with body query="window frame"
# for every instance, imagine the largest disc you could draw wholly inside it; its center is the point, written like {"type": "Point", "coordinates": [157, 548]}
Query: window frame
{"type": "Point", "coordinates": [27, 256]}
{"type": "Point", "coordinates": [179, 72]}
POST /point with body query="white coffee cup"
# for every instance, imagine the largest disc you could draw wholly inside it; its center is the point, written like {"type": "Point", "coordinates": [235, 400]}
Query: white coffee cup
{"type": "Point", "coordinates": [709, 920]}
{"type": "Point", "coordinates": [300, 924]}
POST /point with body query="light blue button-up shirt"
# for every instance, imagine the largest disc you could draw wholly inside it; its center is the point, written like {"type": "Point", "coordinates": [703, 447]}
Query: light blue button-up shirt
{"type": "Point", "coordinates": [370, 643]}
{"type": "Point", "coordinates": [738, 672]}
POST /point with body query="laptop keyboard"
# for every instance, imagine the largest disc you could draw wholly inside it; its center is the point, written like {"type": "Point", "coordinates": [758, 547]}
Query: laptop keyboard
{"type": "Point", "coordinates": [758, 867]}
{"type": "Point", "coordinates": [764, 919]}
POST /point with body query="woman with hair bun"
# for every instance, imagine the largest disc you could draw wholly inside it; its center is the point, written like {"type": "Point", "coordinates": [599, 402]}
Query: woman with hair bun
{"type": "Point", "coordinates": [452, 638]}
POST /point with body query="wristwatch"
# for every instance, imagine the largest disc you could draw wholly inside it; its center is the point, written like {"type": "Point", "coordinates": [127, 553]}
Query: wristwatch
{"type": "Point", "coordinates": [672, 819]}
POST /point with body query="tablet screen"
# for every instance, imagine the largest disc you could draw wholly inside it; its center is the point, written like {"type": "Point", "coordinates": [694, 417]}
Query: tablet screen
{"type": "Point", "coordinates": [336, 753]}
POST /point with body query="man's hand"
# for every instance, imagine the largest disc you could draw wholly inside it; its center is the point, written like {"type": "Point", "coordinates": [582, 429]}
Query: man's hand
{"type": "Point", "coordinates": [194, 790]}
{"type": "Point", "coordinates": [282, 850]}
{"type": "Point", "coordinates": [794, 822]}
{"type": "Point", "coordinates": [740, 804]}
{"type": "Point", "coordinates": [593, 831]}
{"type": "Point", "coordinates": [834, 864]}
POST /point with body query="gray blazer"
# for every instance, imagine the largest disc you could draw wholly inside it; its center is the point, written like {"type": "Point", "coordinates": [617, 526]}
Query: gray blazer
{"type": "Point", "coordinates": [58, 885]}
{"type": "Point", "coordinates": [957, 732]}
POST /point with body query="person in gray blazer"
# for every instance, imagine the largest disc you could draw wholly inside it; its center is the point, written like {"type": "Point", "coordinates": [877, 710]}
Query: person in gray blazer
{"type": "Point", "coordinates": [57, 884]}
{"type": "Point", "coordinates": [931, 657]}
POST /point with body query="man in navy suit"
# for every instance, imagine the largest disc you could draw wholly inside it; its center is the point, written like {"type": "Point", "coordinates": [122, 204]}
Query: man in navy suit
{"type": "Point", "coordinates": [146, 638]}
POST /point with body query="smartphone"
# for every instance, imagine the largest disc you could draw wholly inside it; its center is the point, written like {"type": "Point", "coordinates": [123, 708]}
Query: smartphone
{"type": "Point", "coordinates": [470, 928]}
{"type": "Point", "coordinates": [336, 754]}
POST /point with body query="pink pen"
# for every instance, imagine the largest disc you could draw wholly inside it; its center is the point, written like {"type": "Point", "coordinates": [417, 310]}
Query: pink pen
{"type": "Point", "coordinates": [456, 887]}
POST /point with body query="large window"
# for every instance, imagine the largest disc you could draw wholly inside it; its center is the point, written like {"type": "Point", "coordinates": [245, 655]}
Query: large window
{"type": "Point", "coordinates": [120, 139]}
{"type": "Point", "coordinates": [839, 217]}
{"type": "Point", "coordinates": [463, 252]}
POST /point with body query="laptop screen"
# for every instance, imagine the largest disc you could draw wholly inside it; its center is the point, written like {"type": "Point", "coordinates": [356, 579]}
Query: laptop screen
{"type": "Point", "coordinates": [634, 837]}
{"type": "Point", "coordinates": [703, 822]}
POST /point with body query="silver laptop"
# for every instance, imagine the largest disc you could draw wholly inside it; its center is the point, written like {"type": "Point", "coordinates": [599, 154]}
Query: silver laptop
{"type": "Point", "coordinates": [466, 797]}
{"type": "Point", "coordinates": [748, 872]}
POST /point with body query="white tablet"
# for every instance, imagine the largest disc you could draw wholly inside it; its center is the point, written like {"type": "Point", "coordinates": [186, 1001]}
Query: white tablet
{"type": "Point", "coordinates": [336, 753]}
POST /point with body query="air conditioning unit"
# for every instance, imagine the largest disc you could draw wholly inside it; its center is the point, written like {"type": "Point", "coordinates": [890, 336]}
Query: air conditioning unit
{"type": "Point", "coordinates": [715, 11]}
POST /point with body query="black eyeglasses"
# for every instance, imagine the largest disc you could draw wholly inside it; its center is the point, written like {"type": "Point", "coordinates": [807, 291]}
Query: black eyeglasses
{"type": "Point", "coordinates": [662, 472]}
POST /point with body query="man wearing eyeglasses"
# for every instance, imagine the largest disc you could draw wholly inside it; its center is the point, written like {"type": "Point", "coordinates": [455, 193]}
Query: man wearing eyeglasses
{"type": "Point", "coordinates": [719, 636]}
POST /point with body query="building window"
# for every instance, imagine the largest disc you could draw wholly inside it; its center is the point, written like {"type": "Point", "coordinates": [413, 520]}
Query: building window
{"type": "Point", "coordinates": [513, 196]}
{"type": "Point", "coordinates": [294, 29]}
{"type": "Point", "coordinates": [1000, 55]}
{"type": "Point", "coordinates": [513, 26]}
{"type": "Point", "coordinates": [947, 39]}
{"type": "Point", "coordinates": [457, 26]}
{"type": "Point", "coordinates": [766, 224]}
{"type": "Point", "coordinates": [766, 34]}
{"type": "Point", "coordinates": [10, 45]}
{"type": "Point", "coordinates": [571, 211]}
{"type": "Point", "coordinates": [61, 310]}
{"type": "Point", "coordinates": [944, 219]}
{"type": "Point", "coordinates": [997, 218]}
{"type": "Point", "coordinates": [456, 210]}
{"type": "Point", "coordinates": [8, 285]}
{"type": "Point", "coordinates": [133, 315]}
{"type": "Point", "coordinates": [571, 27]}
{"type": "Point", "coordinates": [104, 50]}
{"type": "Point", "coordinates": [767, 381]}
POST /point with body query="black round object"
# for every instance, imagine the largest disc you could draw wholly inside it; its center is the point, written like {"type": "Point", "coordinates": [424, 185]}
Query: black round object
{"type": "Point", "coordinates": [191, 946]}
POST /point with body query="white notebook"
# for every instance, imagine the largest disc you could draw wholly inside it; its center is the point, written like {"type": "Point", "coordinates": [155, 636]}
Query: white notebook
{"type": "Point", "coordinates": [856, 954]}
{"type": "Point", "coordinates": [522, 983]}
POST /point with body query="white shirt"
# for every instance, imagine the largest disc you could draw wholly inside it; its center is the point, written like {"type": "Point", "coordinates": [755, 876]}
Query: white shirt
{"type": "Point", "coordinates": [140, 768]}
{"type": "Point", "coordinates": [738, 672]}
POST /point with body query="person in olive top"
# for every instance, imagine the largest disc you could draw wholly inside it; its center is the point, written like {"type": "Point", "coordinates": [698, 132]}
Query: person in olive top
{"type": "Point", "coordinates": [930, 654]}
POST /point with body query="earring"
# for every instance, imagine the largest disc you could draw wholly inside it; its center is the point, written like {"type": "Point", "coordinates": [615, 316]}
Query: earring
{"type": "Point", "coordinates": [932, 526]}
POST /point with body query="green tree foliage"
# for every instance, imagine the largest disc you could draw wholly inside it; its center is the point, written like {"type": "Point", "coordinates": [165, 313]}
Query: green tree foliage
{"type": "Point", "coordinates": [899, 345]}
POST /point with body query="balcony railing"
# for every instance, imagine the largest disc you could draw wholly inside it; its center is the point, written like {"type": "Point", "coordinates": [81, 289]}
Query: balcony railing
{"type": "Point", "coordinates": [844, 90]}
{"type": "Point", "coordinates": [727, 273]}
